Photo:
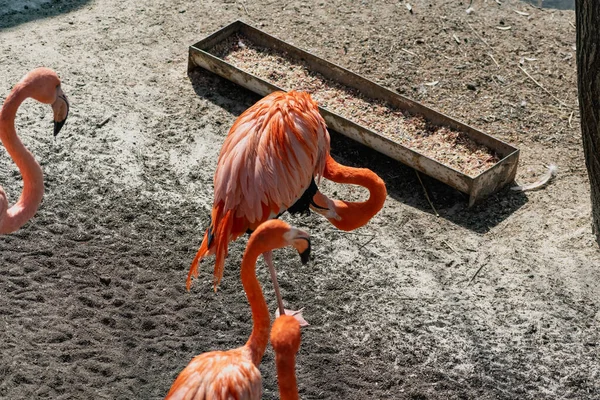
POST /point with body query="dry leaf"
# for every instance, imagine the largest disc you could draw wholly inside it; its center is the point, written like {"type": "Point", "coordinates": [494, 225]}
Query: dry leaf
{"type": "Point", "coordinates": [409, 52]}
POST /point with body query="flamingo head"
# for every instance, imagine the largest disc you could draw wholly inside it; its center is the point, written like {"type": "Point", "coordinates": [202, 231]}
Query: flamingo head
{"type": "Point", "coordinates": [300, 240]}
{"type": "Point", "coordinates": [61, 110]}
{"type": "Point", "coordinates": [285, 335]}
{"type": "Point", "coordinates": [48, 91]}
{"type": "Point", "coordinates": [275, 234]}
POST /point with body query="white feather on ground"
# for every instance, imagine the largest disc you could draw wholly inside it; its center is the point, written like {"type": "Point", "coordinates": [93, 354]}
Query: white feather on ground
{"type": "Point", "coordinates": [540, 183]}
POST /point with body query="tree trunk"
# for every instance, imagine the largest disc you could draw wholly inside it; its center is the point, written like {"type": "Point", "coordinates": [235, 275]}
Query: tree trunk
{"type": "Point", "coordinates": [587, 15]}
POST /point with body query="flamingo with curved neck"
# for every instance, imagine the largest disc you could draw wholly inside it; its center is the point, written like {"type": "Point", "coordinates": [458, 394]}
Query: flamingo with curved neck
{"type": "Point", "coordinates": [346, 215]}
{"type": "Point", "coordinates": [234, 374]}
{"type": "Point", "coordinates": [43, 85]}
{"type": "Point", "coordinates": [269, 162]}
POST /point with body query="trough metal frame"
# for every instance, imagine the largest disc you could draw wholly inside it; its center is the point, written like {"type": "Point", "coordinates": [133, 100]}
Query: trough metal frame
{"type": "Point", "coordinates": [478, 187]}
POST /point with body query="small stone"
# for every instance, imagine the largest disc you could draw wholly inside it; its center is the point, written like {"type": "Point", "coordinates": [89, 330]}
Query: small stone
{"type": "Point", "coordinates": [471, 86]}
{"type": "Point", "coordinates": [105, 280]}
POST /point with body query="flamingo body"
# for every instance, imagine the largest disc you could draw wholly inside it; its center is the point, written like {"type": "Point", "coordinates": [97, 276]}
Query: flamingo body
{"type": "Point", "coordinates": [218, 375]}
{"type": "Point", "coordinates": [268, 161]}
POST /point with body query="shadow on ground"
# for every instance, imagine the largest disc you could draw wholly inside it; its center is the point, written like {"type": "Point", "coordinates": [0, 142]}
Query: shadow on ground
{"type": "Point", "coordinates": [402, 181]}
{"type": "Point", "coordinates": [16, 12]}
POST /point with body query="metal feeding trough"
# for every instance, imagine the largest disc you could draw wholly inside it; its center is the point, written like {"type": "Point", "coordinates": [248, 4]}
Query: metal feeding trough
{"type": "Point", "coordinates": [477, 187]}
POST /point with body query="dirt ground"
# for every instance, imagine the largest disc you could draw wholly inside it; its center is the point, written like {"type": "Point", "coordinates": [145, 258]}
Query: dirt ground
{"type": "Point", "coordinates": [93, 303]}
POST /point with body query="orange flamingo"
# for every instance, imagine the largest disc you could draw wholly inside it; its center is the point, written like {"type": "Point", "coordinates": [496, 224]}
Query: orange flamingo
{"type": "Point", "coordinates": [43, 85]}
{"type": "Point", "coordinates": [267, 165]}
{"type": "Point", "coordinates": [285, 338]}
{"type": "Point", "coordinates": [234, 374]}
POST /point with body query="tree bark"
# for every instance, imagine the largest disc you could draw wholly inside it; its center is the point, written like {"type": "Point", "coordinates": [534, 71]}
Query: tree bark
{"type": "Point", "coordinates": [587, 15]}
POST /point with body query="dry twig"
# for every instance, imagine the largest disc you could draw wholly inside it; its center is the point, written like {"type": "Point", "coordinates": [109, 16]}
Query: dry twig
{"type": "Point", "coordinates": [370, 235]}
{"type": "Point", "coordinates": [426, 195]}
{"type": "Point", "coordinates": [366, 243]}
{"type": "Point", "coordinates": [570, 118]}
{"type": "Point", "coordinates": [494, 60]}
{"type": "Point", "coordinates": [476, 273]}
{"type": "Point", "coordinates": [450, 247]}
{"type": "Point", "coordinates": [543, 88]}
{"type": "Point", "coordinates": [350, 233]}
{"type": "Point", "coordinates": [247, 13]}
{"type": "Point", "coordinates": [521, 13]}
{"type": "Point", "coordinates": [479, 37]}
{"type": "Point", "coordinates": [410, 52]}
{"type": "Point", "coordinates": [104, 122]}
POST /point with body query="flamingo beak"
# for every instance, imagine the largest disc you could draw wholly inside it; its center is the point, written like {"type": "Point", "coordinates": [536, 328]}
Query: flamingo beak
{"type": "Point", "coordinates": [58, 126]}
{"type": "Point", "coordinates": [61, 111]}
{"type": "Point", "coordinates": [305, 255]}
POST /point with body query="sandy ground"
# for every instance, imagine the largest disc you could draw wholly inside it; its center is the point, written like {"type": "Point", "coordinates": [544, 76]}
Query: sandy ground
{"type": "Point", "coordinates": [93, 299]}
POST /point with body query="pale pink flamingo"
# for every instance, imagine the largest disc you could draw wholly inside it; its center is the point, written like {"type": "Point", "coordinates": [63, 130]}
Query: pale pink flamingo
{"type": "Point", "coordinates": [43, 85]}
{"type": "Point", "coordinates": [268, 164]}
{"type": "Point", "coordinates": [234, 374]}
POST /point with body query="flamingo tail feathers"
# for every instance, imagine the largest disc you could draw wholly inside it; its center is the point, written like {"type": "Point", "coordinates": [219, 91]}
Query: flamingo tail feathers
{"type": "Point", "coordinates": [222, 237]}
{"type": "Point", "coordinates": [202, 252]}
{"type": "Point", "coordinates": [215, 241]}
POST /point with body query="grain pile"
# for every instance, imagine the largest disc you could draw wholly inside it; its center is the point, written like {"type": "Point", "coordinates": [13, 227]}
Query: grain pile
{"type": "Point", "coordinates": [449, 147]}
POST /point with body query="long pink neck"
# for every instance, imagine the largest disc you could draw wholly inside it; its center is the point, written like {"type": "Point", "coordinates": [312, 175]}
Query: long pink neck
{"type": "Point", "coordinates": [353, 214]}
{"type": "Point", "coordinates": [33, 182]}
{"type": "Point", "coordinates": [286, 375]}
{"type": "Point", "coordinates": [261, 321]}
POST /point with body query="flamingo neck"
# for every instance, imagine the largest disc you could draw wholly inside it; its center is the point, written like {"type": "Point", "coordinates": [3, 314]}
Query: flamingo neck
{"type": "Point", "coordinates": [33, 182]}
{"type": "Point", "coordinates": [286, 375]}
{"type": "Point", "coordinates": [261, 321]}
{"type": "Point", "coordinates": [355, 214]}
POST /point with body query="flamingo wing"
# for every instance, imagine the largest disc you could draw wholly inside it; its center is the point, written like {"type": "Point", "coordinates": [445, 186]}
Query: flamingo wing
{"type": "Point", "coordinates": [270, 156]}
{"type": "Point", "coordinates": [268, 161]}
{"type": "Point", "coordinates": [218, 375]}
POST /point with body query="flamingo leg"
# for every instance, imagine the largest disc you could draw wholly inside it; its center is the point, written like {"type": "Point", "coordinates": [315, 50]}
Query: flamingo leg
{"type": "Point", "coordinates": [268, 256]}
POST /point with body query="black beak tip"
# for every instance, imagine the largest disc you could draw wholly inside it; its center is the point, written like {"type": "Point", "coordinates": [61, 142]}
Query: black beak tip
{"type": "Point", "coordinates": [305, 255]}
{"type": "Point", "coordinates": [58, 126]}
